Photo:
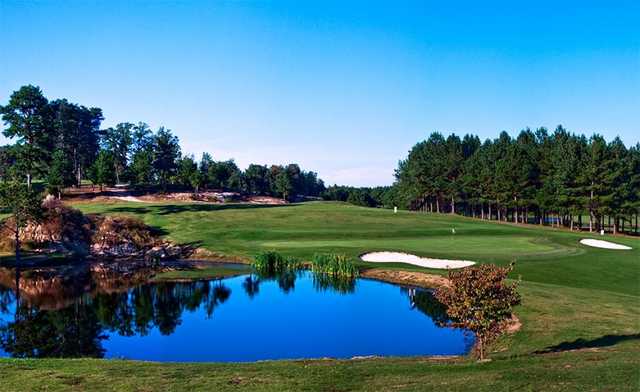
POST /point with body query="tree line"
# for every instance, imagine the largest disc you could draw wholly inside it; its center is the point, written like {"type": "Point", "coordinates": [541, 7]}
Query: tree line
{"type": "Point", "coordinates": [62, 144]}
{"type": "Point", "coordinates": [379, 196]}
{"type": "Point", "coordinates": [557, 178]}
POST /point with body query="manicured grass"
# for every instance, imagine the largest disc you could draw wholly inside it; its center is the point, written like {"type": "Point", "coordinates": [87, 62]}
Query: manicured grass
{"type": "Point", "coordinates": [301, 230]}
{"type": "Point", "coordinates": [569, 371]}
{"type": "Point", "coordinates": [580, 312]}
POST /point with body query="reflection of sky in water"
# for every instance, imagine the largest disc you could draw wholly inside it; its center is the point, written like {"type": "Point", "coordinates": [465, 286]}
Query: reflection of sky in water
{"type": "Point", "coordinates": [219, 321]}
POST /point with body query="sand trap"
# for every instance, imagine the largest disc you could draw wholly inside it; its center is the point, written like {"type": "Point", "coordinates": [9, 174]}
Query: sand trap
{"type": "Point", "coordinates": [398, 257]}
{"type": "Point", "coordinates": [128, 198]}
{"type": "Point", "coordinates": [603, 244]}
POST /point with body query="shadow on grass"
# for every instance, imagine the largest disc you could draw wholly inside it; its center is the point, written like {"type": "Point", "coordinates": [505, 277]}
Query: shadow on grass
{"type": "Point", "coordinates": [178, 208]}
{"type": "Point", "coordinates": [130, 210]}
{"type": "Point", "coordinates": [578, 344]}
{"type": "Point", "coordinates": [158, 231]}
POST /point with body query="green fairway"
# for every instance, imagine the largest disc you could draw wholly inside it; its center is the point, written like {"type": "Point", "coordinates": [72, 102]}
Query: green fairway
{"type": "Point", "coordinates": [580, 311]}
{"type": "Point", "coordinates": [542, 254]}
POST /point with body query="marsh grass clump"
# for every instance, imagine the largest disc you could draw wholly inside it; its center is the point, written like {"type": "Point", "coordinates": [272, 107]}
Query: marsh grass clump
{"type": "Point", "coordinates": [337, 283]}
{"type": "Point", "coordinates": [334, 264]}
{"type": "Point", "coordinates": [272, 263]}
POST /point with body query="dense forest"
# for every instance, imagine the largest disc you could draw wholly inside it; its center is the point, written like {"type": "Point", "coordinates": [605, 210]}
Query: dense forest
{"type": "Point", "coordinates": [537, 177]}
{"type": "Point", "coordinates": [558, 178]}
{"type": "Point", "coordinates": [61, 143]}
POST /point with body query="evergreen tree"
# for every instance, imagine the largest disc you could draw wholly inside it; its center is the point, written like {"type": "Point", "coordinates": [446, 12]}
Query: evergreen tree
{"type": "Point", "coordinates": [76, 131]}
{"type": "Point", "coordinates": [118, 142]}
{"type": "Point", "coordinates": [257, 178]}
{"type": "Point", "coordinates": [594, 173]}
{"type": "Point", "coordinates": [166, 150]}
{"type": "Point", "coordinates": [560, 177]}
{"type": "Point", "coordinates": [188, 173]}
{"type": "Point", "coordinates": [101, 172]}
{"type": "Point", "coordinates": [7, 162]}
{"type": "Point", "coordinates": [28, 119]}
{"type": "Point", "coordinates": [141, 158]}
{"type": "Point", "coordinates": [205, 163]}
{"type": "Point", "coordinates": [453, 170]}
{"type": "Point", "coordinates": [283, 185]}
{"type": "Point", "coordinates": [23, 205]}
{"type": "Point", "coordinates": [60, 173]}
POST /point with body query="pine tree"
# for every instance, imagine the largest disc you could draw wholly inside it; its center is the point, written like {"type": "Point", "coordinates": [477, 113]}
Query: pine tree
{"type": "Point", "coordinates": [283, 185]}
{"type": "Point", "coordinates": [60, 173]}
{"type": "Point", "coordinates": [28, 118]}
{"type": "Point", "coordinates": [23, 205]}
{"type": "Point", "coordinates": [101, 172]}
{"type": "Point", "coordinates": [166, 150]}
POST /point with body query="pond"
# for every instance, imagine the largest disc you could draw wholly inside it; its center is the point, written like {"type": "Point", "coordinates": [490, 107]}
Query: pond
{"type": "Point", "coordinates": [240, 318]}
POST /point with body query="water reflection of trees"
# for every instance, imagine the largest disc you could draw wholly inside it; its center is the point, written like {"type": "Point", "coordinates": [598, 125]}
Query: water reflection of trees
{"type": "Point", "coordinates": [286, 281]}
{"type": "Point", "coordinates": [78, 330]}
{"type": "Point", "coordinates": [160, 305]}
{"type": "Point", "coordinates": [337, 283]}
{"type": "Point", "coordinates": [71, 332]}
{"type": "Point", "coordinates": [425, 301]}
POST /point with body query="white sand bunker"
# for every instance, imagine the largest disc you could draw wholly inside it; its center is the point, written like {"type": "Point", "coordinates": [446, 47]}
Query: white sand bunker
{"type": "Point", "coordinates": [398, 257]}
{"type": "Point", "coordinates": [128, 198]}
{"type": "Point", "coordinates": [603, 244]}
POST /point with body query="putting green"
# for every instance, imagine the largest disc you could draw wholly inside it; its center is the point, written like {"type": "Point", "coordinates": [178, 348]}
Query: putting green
{"type": "Point", "coordinates": [479, 247]}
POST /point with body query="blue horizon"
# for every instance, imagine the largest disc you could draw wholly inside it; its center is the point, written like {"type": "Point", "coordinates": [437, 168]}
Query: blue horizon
{"type": "Point", "coordinates": [343, 89]}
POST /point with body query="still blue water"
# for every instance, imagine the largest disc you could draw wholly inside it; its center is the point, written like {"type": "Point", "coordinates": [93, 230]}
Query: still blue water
{"type": "Point", "coordinates": [241, 318]}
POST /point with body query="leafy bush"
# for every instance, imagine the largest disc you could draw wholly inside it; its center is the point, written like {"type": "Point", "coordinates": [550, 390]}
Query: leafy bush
{"type": "Point", "coordinates": [333, 264]}
{"type": "Point", "coordinates": [479, 300]}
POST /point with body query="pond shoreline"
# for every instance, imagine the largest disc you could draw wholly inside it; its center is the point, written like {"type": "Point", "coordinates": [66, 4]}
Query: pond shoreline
{"type": "Point", "coordinates": [122, 318]}
{"type": "Point", "coordinates": [118, 275]}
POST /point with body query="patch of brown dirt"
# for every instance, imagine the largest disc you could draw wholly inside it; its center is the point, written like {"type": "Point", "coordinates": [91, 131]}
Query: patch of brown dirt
{"type": "Point", "coordinates": [114, 194]}
{"type": "Point", "coordinates": [513, 325]}
{"type": "Point", "coordinates": [204, 254]}
{"type": "Point", "coordinates": [264, 200]}
{"type": "Point", "coordinates": [415, 278]}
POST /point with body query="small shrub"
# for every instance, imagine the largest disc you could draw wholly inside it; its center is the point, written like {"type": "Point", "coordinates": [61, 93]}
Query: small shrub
{"type": "Point", "coordinates": [478, 299]}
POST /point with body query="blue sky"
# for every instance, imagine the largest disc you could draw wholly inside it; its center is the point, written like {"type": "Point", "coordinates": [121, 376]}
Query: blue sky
{"type": "Point", "coordinates": [344, 88]}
